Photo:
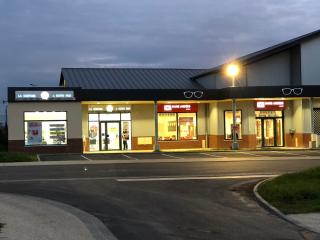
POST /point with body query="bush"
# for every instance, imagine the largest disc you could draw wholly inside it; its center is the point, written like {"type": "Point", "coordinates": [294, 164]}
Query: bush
{"type": "Point", "coordinates": [17, 157]}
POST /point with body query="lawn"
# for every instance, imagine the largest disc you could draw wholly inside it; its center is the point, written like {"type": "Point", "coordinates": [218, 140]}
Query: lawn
{"type": "Point", "coordinates": [295, 192]}
{"type": "Point", "coordinates": [17, 157]}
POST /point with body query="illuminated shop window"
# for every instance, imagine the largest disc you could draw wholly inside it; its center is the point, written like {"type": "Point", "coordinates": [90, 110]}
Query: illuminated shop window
{"type": "Point", "coordinates": [187, 126]}
{"type": "Point", "coordinates": [228, 122]}
{"type": "Point", "coordinates": [174, 126]}
{"type": "Point", "coordinates": [45, 128]}
{"type": "Point", "coordinates": [167, 126]}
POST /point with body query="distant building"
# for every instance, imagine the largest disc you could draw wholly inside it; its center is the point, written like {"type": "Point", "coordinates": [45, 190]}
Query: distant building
{"type": "Point", "coordinates": [98, 109]}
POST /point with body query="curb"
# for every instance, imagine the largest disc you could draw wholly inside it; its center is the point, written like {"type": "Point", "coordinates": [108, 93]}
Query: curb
{"type": "Point", "coordinates": [275, 210]}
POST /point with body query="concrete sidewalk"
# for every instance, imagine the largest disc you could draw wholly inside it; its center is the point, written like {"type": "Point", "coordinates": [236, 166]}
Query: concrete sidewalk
{"type": "Point", "coordinates": [311, 220]}
{"type": "Point", "coordinates": [31, 218]}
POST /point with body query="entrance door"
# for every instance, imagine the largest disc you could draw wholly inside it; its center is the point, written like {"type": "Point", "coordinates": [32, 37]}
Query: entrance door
{"type": "Point", "coordinates": [111, 131]}
{"type": "Point", "coordinates": [269, 132]}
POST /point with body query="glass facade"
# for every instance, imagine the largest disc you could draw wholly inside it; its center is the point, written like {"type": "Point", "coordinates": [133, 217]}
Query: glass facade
{"type": "Point", "coordinates": [45, 128]}
{"type": "Point", "coordinates": [228, 123]}
{"type": "Point", "coordinates": [109, 131]}
{"type": "Point", "coordinates": [177, 126]}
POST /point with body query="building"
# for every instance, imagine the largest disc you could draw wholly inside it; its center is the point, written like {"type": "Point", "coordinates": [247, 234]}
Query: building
{"type": "Point", "coordinates": [277, 95]}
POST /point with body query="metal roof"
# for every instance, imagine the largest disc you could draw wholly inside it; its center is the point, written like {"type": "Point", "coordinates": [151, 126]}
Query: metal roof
{"type": "Point", "coordinates": [129, 78]}
{"type": "Point", "coordinates": [255, 56]}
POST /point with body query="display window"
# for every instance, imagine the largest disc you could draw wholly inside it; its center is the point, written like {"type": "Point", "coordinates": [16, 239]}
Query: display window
{"type": "Point", "coordinates": [45, 128]}
{"type": "Point", "coordinates": [174, 126]}
{"type": "Point", "coordinates": [228, 124]}
{"type": "Point", "coordinates": [167, 126]}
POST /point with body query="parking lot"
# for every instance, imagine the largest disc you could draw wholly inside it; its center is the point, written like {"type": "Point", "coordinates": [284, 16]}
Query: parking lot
{"type": "Point", "coordinates": [183, 155]}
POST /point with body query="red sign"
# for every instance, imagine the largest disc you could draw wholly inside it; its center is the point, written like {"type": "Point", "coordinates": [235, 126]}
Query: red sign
{"type": "Point", "coordinates": [270, 105]}
{"type": "Point", "coordinates": [176, 108]}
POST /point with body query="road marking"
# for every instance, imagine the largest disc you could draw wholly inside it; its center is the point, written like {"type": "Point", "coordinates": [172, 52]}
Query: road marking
{"type": "Point", "coordinates": [211, 155]}
{"type": "Point", "coordinates": [292, 154]}
{"type": "Point", "coordinates": [251, 154]}
{"type": "Point", "coordinates": [140, 179]}
{"type": "Point", "coordinates": [86, 158]}
{"type": "Point", "coordinates": [193, 178]}
{"type": "Point", "coordinates": [129, 157]}
{"type": "Point", "coordinates": [170, 156]}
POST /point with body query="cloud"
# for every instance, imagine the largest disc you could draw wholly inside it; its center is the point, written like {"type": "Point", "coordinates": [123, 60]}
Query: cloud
{"type": "Point", "coordinates": [38, 37]}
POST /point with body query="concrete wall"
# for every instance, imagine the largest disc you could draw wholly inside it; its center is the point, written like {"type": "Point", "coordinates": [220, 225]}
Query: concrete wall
{"type": "Point", "coordinates": [310, 64]}
{"type": "Point", "coordinates": [271, 71]}
{"type": "Point", "coordinates": [16, 117]}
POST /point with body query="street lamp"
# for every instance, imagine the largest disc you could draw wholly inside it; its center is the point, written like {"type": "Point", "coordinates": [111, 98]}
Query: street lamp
{"type": "Point", "coordinates": [233, 71]}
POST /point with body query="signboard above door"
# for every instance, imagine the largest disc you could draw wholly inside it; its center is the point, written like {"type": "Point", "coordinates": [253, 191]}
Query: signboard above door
{"type": "Point", "coordinates": [270, 105]}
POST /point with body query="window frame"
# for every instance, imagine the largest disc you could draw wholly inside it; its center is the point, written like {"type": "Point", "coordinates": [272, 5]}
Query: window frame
{"type": "Point", "coordinates": [178, 128]}
{"type": "Point", "coordinates": [224, 124]}
{"type": "Point", "coordinates": [45, 145]}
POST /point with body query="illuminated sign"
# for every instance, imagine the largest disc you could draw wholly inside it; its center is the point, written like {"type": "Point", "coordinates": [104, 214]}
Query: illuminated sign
{"type": "Point", "coordinates": [270, 105]}
{"type": "Point", "coordinates": [190, 107]}
{"type": "Point", "coordinates": [109, 108]}
{"type": "Point", "coordinates": [44, 95]}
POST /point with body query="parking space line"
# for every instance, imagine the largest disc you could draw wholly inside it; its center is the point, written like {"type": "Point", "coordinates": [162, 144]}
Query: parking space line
{"type": "Point", "coordinates": [129, 157]}
{"type": "Point", "coordinates": [86, 158]}
{"type": "Point", "coordinates": [170, 156]}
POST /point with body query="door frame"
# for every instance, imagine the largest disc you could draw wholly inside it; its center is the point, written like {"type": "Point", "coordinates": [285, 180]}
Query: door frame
{"type": "Point", "coordinates": [106, 132]}
{"type": "Point", "coordinates": [274, 131]}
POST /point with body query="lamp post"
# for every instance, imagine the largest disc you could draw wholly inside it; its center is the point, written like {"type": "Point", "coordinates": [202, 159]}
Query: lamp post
{"type": "Point", "coordinates": [233, 71]}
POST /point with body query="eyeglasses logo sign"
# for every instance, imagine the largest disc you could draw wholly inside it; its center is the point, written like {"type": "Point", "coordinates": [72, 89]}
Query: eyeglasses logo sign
{"type": "Point", "coordinates": [190, 94]}
{"type": "Point", "coordinates": [292, 91]}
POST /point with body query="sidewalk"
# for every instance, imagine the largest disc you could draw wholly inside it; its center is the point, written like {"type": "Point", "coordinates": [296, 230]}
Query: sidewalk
{"type": "Point", "coordinates": [311, 220]}
{"type": "Point", "coordinates": [31, 218]}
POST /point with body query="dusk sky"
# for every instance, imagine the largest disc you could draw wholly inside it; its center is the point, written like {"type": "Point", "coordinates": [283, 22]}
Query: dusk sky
{"type": "Point", "coordinates": [38, 37]}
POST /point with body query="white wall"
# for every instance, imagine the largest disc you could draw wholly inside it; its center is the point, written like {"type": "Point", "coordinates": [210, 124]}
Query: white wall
{"type": "Point", "coordinates": [310, 64]}
{"type": "Point", "coordinates": [16, 117]}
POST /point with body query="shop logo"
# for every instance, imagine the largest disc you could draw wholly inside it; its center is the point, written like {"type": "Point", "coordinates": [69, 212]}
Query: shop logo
{"type": "Point", "coordinates": [290, 91]}
{"type": "Point", "coordinates": [44, 95]}
{"type": "Point", "coordinates": [190, 94]}
{"type": "Point", "coordinates": [167, 107]}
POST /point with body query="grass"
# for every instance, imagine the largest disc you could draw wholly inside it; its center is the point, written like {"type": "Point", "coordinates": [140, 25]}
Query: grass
{"type": "Point", "coordinates": [17, 157]}
{"type": "Point", "coordinates": [295, 192]}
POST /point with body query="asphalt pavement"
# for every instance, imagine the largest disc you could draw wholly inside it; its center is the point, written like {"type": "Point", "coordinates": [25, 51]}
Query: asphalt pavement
{"type": "Point", "coordinates": [177, 200]}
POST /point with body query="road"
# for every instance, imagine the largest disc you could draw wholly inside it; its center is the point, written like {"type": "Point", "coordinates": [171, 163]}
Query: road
{"type": "Point", "coordinates": [177, 200]}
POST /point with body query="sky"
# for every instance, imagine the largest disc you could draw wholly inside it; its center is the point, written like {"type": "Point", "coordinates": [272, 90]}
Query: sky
{"type": "Point", "coordinates": [39, 37]}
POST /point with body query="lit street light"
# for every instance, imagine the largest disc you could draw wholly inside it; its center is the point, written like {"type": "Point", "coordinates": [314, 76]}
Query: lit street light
{"type": "Point", "coordinates": [233, 71]}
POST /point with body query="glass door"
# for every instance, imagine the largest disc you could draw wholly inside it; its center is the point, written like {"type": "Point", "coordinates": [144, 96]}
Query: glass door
{"type": "Point", "coordinates": [279, 132]}
{"type": "Point", "coordinates": [110, 136]}
{"type": "Point", "coordinates": [268, 132]}
{"type": "Point", "coordinates": [258, 133]}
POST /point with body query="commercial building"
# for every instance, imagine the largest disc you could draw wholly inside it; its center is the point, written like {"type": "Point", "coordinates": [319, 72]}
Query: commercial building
{"type": "Point", "coordinates": [277, 94]}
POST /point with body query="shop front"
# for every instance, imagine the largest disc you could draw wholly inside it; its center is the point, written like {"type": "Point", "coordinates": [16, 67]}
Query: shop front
{"type": "Point", "coordinates": [109, 127]}
{"type": "Point", "coordinates": [269, 123]}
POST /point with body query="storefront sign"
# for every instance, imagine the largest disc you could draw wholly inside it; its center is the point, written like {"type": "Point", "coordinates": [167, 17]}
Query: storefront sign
{"type": "Point", "coordinates": [109, 108]}
{"type": "Point", "coordinates": [270, 105]}
{"type": "Point", "coordinates": [44, 95]}
{"type": "Point", "coordinates": [176, 108]}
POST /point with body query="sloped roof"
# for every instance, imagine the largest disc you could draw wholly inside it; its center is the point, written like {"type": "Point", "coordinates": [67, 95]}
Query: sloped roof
{"type": "Point", "coordinates": [255, 56]}
{"type": "Point", "coordinates": [129, 78]}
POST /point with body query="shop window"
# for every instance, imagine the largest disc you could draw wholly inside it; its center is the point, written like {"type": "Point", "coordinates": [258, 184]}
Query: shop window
{"type": "Point", "coordinates": [228, 122]}
{"type": "Point", "coordinates": [45, 128]}
{"type": "Point", "coordinates": [167, 126]}
{"type": "Point", "coordinates": [174, 126]}
{"type": "Point", "coordinates": [187, 126]}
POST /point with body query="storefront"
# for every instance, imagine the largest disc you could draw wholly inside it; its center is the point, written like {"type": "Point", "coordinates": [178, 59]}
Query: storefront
{"type": "Point", "coordinates": [277, 97]}
{"type": "Point", "coordinates": [270, 123]}
{"type": "Point", "coordinates": [109, 127]}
